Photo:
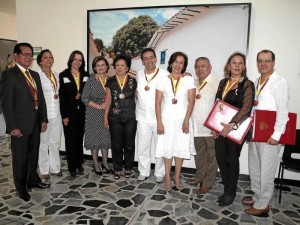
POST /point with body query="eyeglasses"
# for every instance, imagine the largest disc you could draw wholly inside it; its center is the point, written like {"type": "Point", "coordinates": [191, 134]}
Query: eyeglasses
{"type": "Point", "coordinates": [260, 61]}
{"type": "Point", "coordinates": [25, 54]}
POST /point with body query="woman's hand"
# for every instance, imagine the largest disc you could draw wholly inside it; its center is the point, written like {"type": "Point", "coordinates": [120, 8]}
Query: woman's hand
{"type": "Point", "coordinates": [66, 121]}
{"type": "Point", "coordinates": [226, 129]}
{"type": "Point", "coordinates": [104, 105]}
{"type": "Point", "coordinates": [105, 122]}
{"type": "Point", "coordinates": [214, 134]}
{"type": "Point", "coordinates": [185, 127]}
{"type": "Point", "coordinates": [160, 128]}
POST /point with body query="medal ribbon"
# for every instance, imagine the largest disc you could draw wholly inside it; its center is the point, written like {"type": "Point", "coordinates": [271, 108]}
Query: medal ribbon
{"type": "Point", "coordinates": [258, 90]}
{"type": "Point", "coordinates": [53, 81]}
{"type": "Point", "coordinates": [77, 80]}
{"type": "Point", "coordinates": [32, 87]}
{"type": "Point", "coordinates": [227, 88]}
{"type": "Point", "coordinates": [102, 83]}
{"type": "Point", "coordinates": [201, 86]}
{"type": "Point", "coordinates": [152, 75]}
{"type": "Point", "coordinates": [175, 86]}
{"type": "Point", "coordinates": [121, 85]}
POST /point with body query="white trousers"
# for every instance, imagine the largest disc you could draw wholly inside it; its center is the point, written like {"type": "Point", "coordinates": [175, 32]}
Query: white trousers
{"type": "Point", "coordinates": [49, 160]}
{"type": "Point", "coordinates": [145, 133]}
{"type": "Point", "coordinates": [263, 163]}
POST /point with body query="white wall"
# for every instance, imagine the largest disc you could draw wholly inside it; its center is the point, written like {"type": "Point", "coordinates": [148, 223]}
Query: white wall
{"type": "Point", "coordinates": [62, 27]}
{"type": "Point", "coordinates": [8, 26]}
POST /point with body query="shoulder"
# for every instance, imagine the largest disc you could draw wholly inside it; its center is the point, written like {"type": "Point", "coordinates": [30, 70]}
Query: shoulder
{"type": "Point", "coordinates": [163, 72]}
{"type": "Point", "coordinates": [64, 73]}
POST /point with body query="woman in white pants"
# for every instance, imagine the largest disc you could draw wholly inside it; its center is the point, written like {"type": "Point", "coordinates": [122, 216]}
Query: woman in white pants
{"type": "Point", "coordinates": [49, 160]}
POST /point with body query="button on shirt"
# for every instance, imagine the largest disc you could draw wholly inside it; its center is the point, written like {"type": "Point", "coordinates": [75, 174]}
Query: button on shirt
{"type": "Point", "coordinates": [145, 106]}
{"type": "Point", "coordinates": [274, 97]}
{"type": "Point", "coordinates": [204, 105]}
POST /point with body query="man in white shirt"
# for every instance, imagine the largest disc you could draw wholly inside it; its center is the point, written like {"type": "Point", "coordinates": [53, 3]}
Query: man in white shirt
{"type": "Point", "coordinates": [205, 160]}
{"type": "Point", "coordinates": [271, 94]}
{"type": "Point", "coordinates": [147, 80]}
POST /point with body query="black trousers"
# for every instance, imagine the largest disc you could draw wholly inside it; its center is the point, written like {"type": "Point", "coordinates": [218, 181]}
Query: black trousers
{"type": "Point", "coordinates": [25, 154]}
{"type": "Point", "coordinates": [227, 155]}
{"type": "Point", "coordinates": [122, 134]}
{"type": "Point", "coordinates": [74, 133]}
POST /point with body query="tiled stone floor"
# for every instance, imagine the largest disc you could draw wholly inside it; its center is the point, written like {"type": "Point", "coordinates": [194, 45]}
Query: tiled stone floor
{"type": "Point", "coordinates": [90, 199]}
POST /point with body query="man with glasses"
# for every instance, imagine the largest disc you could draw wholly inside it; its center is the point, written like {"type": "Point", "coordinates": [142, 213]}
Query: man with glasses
{"type": "Point", "coordinates": [25, 115]}
{"type": "Point", "coordinates": [147, 80]}
{"type": "Point", "coordinates": [271, 94]}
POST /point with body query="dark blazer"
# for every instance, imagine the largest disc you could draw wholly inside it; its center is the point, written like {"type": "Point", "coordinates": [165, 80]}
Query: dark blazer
{"type": "Point", "coordinates": [69, 105]}
{"type": "Point", "coordinates": [17, 101]}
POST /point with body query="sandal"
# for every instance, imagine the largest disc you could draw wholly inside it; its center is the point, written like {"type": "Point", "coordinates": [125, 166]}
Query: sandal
{"type": "Point", "coordinates": [127, 174]}
{"type": "Point", "coordinates": [117, 175]}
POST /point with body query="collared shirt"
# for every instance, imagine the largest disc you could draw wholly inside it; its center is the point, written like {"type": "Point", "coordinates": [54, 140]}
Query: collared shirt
{"type": "Point", "coordinates": [53, 110]}
{"type": "Point", "coordinates": [145, 106]}
{"type": "Point", "coordinates": [274, 97]}
{"type": "Point", "coordinates": [204, 105]}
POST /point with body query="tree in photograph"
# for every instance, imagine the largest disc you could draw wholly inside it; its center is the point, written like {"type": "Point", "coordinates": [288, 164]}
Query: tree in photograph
{"type": "Point", "coordinates": [134, 36]}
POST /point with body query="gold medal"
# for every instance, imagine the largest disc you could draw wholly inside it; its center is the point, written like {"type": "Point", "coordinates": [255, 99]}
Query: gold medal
{"type": "Point", "coordinates": [121, 96]}
{"type": "Point", "coordinates": [174, 101]}
{"type": "Point", "coordinates": [56, 96]}
{"type": "Point", "coordinates": [147, 88]}
{"type": "Point", "coordinates": [78, 96]}
{"type": "Point", "coordinates": [255, 102]}
{"type": "Point", "coordinates": [198, 96]}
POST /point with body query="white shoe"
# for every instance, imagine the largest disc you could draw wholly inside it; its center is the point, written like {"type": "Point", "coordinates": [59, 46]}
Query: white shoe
{"type": "Point", "coordinates": [159, 179]}
{"type": "Point", "coordinates": [141, 178]}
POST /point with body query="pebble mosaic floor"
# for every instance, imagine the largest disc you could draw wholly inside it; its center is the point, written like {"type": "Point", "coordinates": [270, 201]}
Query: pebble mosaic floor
{"type": "Point", "coordinates": [95, 200]}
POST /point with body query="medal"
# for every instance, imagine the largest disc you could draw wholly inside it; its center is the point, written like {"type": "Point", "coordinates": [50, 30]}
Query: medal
{"type": "Point", "coordinates": [174, 101]}
{"type": "Point", "coordinates": [200, 87]}
{"type": "Point", "coordinates": [147, 88]}
{"type": "Point", "coordinates": [175, 88]}
{"type": "Point", "coordinates": [198, 96]}
{"type": "Point", "coordinates": [255, 102]}
{"type": "Point", "coordinates": [121, 96]}
{"type": "Point", "coordinates": [56, 96]}
{"type": "Point", "coordinates": [77, 96]}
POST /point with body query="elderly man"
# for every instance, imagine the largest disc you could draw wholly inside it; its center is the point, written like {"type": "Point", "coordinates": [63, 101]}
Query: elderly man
{"type": "Point", "coordinates": [25, 114]}
{"type": "Point", "coordinates": [147, 80]}
{"type": "Point", "coordinates": [271, 94]}
{"type": "Point", "coordinates": [205, 160]}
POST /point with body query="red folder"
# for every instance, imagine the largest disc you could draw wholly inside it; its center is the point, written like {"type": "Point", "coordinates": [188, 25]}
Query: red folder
{"type": "Point", "coordinates": [223, 112]}
{"type": "Point", "coordinates": [263, 127]}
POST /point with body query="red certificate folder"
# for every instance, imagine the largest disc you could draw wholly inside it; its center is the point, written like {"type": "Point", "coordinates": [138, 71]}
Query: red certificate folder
{"type": "Point", "coordinates": [263, 127]}
{"type": "Point", "coordinates": [223, 112]}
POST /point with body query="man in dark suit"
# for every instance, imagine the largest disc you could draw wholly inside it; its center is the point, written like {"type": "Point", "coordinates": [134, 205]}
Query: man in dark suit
{"type": "Point", "coordinates": [25, 115]}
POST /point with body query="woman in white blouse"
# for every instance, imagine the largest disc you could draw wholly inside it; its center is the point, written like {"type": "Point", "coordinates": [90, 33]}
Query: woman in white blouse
{"type": "Point", "coordinates": [49, 160]}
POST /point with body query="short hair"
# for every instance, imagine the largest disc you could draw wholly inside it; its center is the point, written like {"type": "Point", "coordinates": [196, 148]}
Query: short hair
{"type": "Point", "coordinates": [71, 59]}
{"type": "Point", "coordinates": [96, 60]}
{"type": "Point", "coordinates": [266, 51]}
{"type": "Point", "coordinates": [148, 50]}
{"type": "Point", "coordinates": [40, 55]}
{"type": "Point", "coordinates": [123, 57]}
{"type": "Point", "coordinates": [172, 59]}
{"type": "Point", "coordinates": [17, 48]}
{"type": "Point", "coordinates": [202, 59]}
{"type": "Point", "coordinates": [227, 73]}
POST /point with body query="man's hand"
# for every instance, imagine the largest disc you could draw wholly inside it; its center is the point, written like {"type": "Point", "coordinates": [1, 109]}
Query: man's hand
{"type": "Point", "coordinates": [44, 127]}
{"type": "Point", "coordinates": [272, 141]}
{"type": "Point", "coordinates": [66, 121]}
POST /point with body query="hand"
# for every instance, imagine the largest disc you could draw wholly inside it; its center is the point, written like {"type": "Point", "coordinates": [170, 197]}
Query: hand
{"type": "Point", "coordinates": [185, 127]}
{"type": "Point", "coordinates": [272, 141]}
{"type": "Point", "coordinates": [104, 105]}
{"type": "Point", "coordinates": [214, 134]}
{"type": "Point", "coordinates": [186, 74]}
{"type": "Point", "coordinates": [16, 133]}
{"type": "Point", "coordinates": [226, 129]}
{"type": "Point", "coordinates": [160, 128]}
{"type": "Point", "coordinates": [44, 127]}
{"type": "Point", "coordinates": [105, 123]}
{"type": "Point", "coordinates": [66, 121]}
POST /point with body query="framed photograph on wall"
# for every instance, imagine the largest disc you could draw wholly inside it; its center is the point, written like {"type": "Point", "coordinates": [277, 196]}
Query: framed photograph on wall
{"type": "Point", "coordinates": [214, 31]}
{"type": "Point", "coordinates": [36, 51]}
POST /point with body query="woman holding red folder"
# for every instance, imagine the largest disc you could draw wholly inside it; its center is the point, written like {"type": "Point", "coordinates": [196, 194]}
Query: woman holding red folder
{"type": "Point", "coordinates": [237, 90]}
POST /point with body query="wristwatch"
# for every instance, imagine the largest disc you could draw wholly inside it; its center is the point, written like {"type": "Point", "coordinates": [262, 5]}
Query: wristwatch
{"type": "Point", "coordinates": [236, 126]}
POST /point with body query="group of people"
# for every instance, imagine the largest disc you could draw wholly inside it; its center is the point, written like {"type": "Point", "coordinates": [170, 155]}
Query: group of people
{"type": "Point", "coordinates": [167, 108]}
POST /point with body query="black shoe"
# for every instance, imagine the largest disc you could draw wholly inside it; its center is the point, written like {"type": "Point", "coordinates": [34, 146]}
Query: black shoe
{"type": "Point", "coordinates": [24, 196]}
{"type": "Point", "coordinates": [39, 185]}
{"type": "Point", "coordinates": [106, 170]}
{"type": "Point", "coordinates": [73, 174]}
{"type": "Point", "coordinates": [221, 197]}
{"type": "Point", "coordinates": [80, 170]}
{"type": "Point", "coordinates": [96, 172]}
{"type": "Point", "coordinates": [227, 200]}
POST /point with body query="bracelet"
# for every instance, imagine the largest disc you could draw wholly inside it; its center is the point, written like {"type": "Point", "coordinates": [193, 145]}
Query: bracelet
{"type": "Point", "coordinates": [236, 126]}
